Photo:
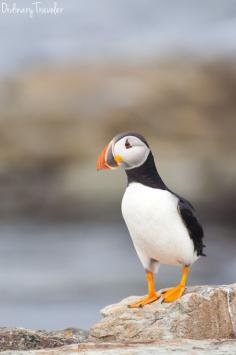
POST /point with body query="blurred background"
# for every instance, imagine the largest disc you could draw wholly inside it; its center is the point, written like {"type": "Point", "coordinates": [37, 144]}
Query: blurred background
{"type": "Point", "coordinates": [68, 84]}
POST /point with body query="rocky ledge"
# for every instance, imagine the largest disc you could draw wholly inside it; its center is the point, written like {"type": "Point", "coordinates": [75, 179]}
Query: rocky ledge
{"type": "Point", "coordinates": [203, 321]}
{"type": "Point", "coordinates": [204, 312]}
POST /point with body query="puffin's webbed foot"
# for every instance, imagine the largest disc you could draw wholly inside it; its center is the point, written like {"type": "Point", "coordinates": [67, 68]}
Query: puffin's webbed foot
{"type": "Point", "coordinates": [146, 300]}
{"type": "Point", "coordinates": [152, 294]}
{"type": "Point", "coordinates": [172, 294]}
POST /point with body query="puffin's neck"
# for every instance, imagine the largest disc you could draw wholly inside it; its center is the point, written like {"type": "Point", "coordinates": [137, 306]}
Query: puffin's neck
{"type": "Point", "coordinates": [146, 174]}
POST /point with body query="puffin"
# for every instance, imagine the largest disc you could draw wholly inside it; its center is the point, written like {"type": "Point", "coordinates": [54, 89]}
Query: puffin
{"type": "Point", "coordinates": [163, 226]}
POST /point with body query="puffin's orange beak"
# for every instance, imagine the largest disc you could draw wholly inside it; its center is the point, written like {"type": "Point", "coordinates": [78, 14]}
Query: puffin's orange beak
{"type": "Point", "coordinates": [101, 162]}
{"type": "Point", "coordinates": [106, 160]}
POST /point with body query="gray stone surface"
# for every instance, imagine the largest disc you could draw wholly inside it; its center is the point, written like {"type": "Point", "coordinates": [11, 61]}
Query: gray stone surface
{"type": "Point", "coordinates": [26, 339]}
{"type": "Point", "coordinates": [162, 347]}
{"type": "Point", "coordinates": [204, 312]}
{"type": "Point", "coordinates": [193, 347]}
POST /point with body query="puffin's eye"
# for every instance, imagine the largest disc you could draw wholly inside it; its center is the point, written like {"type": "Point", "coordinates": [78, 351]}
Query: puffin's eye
{"type": "Point", "coordinates": [127, 144]}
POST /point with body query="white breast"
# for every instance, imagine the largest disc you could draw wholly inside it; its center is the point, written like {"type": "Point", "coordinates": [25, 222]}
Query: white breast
{"type": "Point", "coordinates": [156, 227]}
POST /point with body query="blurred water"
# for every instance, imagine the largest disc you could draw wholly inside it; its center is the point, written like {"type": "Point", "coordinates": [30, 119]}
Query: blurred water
{"type": "Point", "coordinates": [55, 276]}
{"type": "Point", "coordinates": [134, 29]}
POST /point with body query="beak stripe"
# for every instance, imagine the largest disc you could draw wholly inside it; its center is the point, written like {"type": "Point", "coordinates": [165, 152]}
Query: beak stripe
{"type": "Point", "coordinates": [101, 162]}
{"type": "Point", "coordinates": [106, 159]}
{"type": "Point", "coordinates": [110, 160]}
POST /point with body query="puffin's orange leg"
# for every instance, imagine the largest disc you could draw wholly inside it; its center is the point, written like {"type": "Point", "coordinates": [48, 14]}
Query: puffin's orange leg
{"type": "Point", "coordinates": [152, 294]}
{"type": "Point", "coordinates": [174, 293]}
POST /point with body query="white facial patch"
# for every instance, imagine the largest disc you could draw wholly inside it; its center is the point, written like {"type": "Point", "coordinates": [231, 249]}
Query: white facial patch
{"type": "Point", "coordinates": [132, 150]}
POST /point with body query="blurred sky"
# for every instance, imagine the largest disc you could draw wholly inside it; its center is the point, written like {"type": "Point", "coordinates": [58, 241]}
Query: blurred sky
{"type": "Point", "coordinates": [134, 29]}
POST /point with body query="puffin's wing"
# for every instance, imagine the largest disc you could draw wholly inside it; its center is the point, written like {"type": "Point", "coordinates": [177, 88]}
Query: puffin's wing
{"type": "Point", "coordinates": [195, 230]}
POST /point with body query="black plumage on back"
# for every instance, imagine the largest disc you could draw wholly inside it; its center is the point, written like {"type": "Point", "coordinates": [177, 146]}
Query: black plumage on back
{"type": "Point", "coordinates": [192, 224]}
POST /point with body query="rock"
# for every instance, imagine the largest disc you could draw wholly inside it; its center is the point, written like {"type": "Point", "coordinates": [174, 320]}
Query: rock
{"type": "Point", "coordinates": [177, 347]}
{"type": "Point", "coordinates": [202, 322]}
{"type": "Point", "coordinates": [25, 339]}
{"type": "Point", "coordinates": [162, 347]}
{"type": "Point", "coordinates": [204, 312]}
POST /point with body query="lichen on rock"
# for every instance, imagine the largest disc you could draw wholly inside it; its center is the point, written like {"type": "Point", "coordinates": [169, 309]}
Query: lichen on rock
{"type": "Point", "coordinates": [26, 339]}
